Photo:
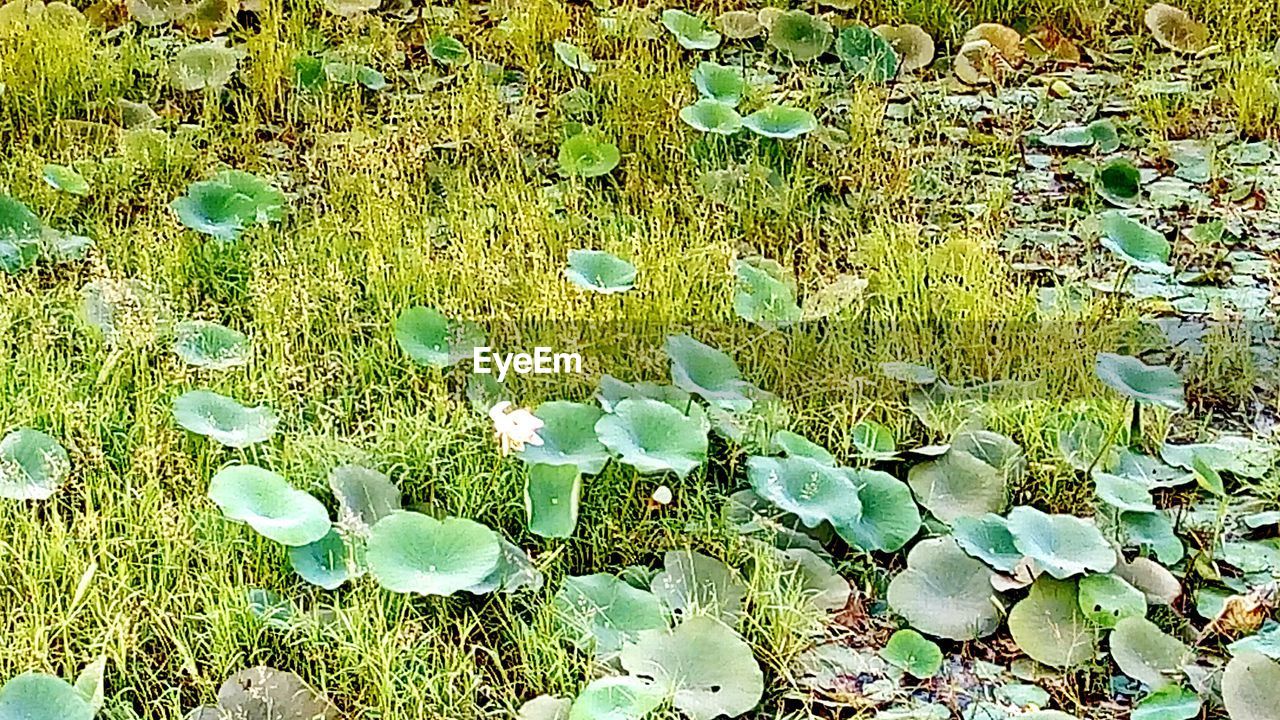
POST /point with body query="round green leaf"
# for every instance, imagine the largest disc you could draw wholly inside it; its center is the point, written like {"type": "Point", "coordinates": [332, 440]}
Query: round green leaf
{"type": "Point", "coordinates": [328, 562]}
{"type": "Point", "coordinates": [1108, 599]}
{"type": "Point", "coordinates": [1061, 545]}
{"type": "Point", "coordinates": [410, 552]}
{"type": "Point", "coordinates": [448, 50]}
{"type": "Point", "coordinates": [705, 668]}
{"type": "Point", "coordinates": [794, 445]}
{"type": "Point", "coordinates": [551, 495]}
{"type": "Point", "coordinates": [573, 56]}
{"type": "Point", "coordinates": [599, 271]}
{"type": "Point", "coordinates": [692, 584]}
{"type": "Point", "coordinates": [1123, 493]}
{"type": "Point", "coordinates": [568, 436]}
{"type": "Point", "coordinates": [1049, 626]}
{"type": "Point", "coordinates": [783, 123]}
{"type": "Point", "coordinates": [1153, 532]}
{"type": "Point", "coordinates": [814, 492]}
{"type": "Point", "coordinates": [720, 83]}
{"type": "Point", "coordinates": [691, 31]}
{"type": "Point", "coordinates": [944, 592]}
{"type": "Point", "coordinates": [210, 345]}
{"type": "Point", "coordinates": [264, 693]}
{"type": "Point", "coordinates": [423, 334]}
{"type": "Point", "coordinates": [1135, 243]}
{"type": "Point", "coordinates": [204, 66]}
{"type": "Point", "coordinates": [957, 485]}
{"type": "Point", "coordinates": [547, 707]}
{"type": "Point", "coordinates": [223, 419]}
{"type": "Point", "coordinates": [873, 441]}
{"type": "Point", "coordinates": [269, 505]}
{"type": "Point", "coordinates": [586, 155]}
{"type": "Point", "coordinates": [712, 116]}
{"type": "Point", "coordinates": [1171, 702]}
{"type": "Point", "coordinates": [1145, 653]}
{"type": "Point", "coordinates": [1119, 182]}
{"type": "Point", "coordinates": [20, 233]}
{"type": "Point", "coordinates": [988, 539]}
{"type": "Point", "coordinates": [1146, 384]}
{"type": "Point", "coordinates": [1068, 136]}
{"type": "Point", "coordinates": [764, 296]}
{"type": "Point", "coordinates": [1251, 687]}
{"type": "Point", "coordinates": [913, 653]}
{"type": "Point", "coordinates": [867, 54]}
{"type": "Point", "coordinates": [889, 516]}
{"type": "Point", "coordinates": [604, 612]}
{"type": "Point", "coordinates": [36, 696]}
{"type": "Point", "coordinates": [654, 437]}
{"type": "Point", "coordinates": [364, 496]}
{"type": "Point", "coordinates": [228, 203]}
{"type": "Point", "coordinates": [616, 698]}
{"type": "Point", "coordinates": [32, 465]}
{"type": "Point", "coordinates": [799, 35]}
{"type": "Point", "coordinates": [66, 179]}
{"type": "Point", "coordinates": [706, 372]}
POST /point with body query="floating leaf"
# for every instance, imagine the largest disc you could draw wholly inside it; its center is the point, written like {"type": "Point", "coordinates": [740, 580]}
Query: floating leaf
{"type": "Point", "coordinates": [867, 54]}
{"type": "Point", "coordinates": [821, 586]}
{"type": "Point", "coordinates": [1154, 580]}
{"type": "Point", "coordinates": [1146, 384]}
{"type": "Point", "coordinates": [957, 485]}
{"type": "Point", "coordinates": [33, 465]}
{"type": "Point", "coordinates": [514, 571]}
{"type": "Point", "coordinates": [764, 297]}
{"type": "Point", "coordinates": [604, 612]}
{"type": "Point", "coordinates": [616, 698]}
{"type": "Point", "coordinates": [551, 495]}
{"type": "Point", "coordinates": [721, 83]}
{"type": "Point", "coordinates": [1171, 702]}
{"type": "Point", "coordinates": [36, 696]}
{"type": "Point", "coordinates": [1135, 243]}
{"type": "Point", "coordinates": [328, 562]}
{"type": "Point", "coordinates": [599, 271]}
{"type": "Point", "coordinates": [873, 440]}
{"type": "Point", "coordinates": [1049, 626]}
{"type": "Point", "coordinates": [546, 707]}
{"type": "Point", "coordinates": [692, 584]}
{"type": "Point", "coordinates": [706, 372]}
{"type": "Point", "coordinates": [1251, 687]}
{"type": "Point", "coordinates": [913, 653]}
{"type": "Point", "coordinates": [410, 552]}
{"type": "Point", "coordinates": [712, 116]}
{"type": "Point", "coordinates": [90, 683]}
{"type": "Point", "coordinates": [568, 436]}
{"type": "Point", "coordinates": [799, 35]}
{"type": "Point", "coordinates": [423, 333]}
{"type": "Point", "coordinates": [944, 592]}
{"type": "Point", "coordinates": [814, 492]}
{"type": "Point", "coordinates": [1120, 183]}
{"type": "Point", "coordinates": [783, 123]}
{"type": "Point", "coordinates": [911, 44]}
{"type": "Point", "coordinates": [204, 66]}
{"type": "Point", "coordinates": [269, 505]}
{"type": "Point", "coordinates": [1085, 444]}
{"type": "Point", "coordinates": [1061, 545]}
{"type": "Point", "coordinates": [209, 345]}
{"type": "Point", "coordinates": [66, 179]}
{"type": "Point", "coordinates": [20, 235]}
{"type": "Point", "coordinates": [1152, 532]}
{"type": "Point", "coordinates": [365, 496]}
{"type": "Point", "coordinates": [706, 669]}
{"type": "Point", "coordinates": [263, 693]}
{"type": "Point", "coordinates": [228, 203]}
{"type": "Point", "coordinates": [223, 419]}
{"type": "Point", "coordinates": [1145, 653]}
{"type": "Point", "coordinates": [1108, 599]}
{"type": "Point", "coordinates": [795, 445]}
{"type": "Point", "coordinates": [739, 24]}
{"type": "Point", "coordinates": [889, 517]}
{"type": "Point", "coordinates": [448, 50]}
{"type": "Point", "coordinates": [988, 539]}
{"type": "Point", "coordinates": [1174, 29]}
{"type": "Point", "coordinates": [1238, 455]}
{"type": "Point", "coordinates": [690, 30]}
{"type": "Point", "coordinates": [587, 155]}
{"type": "Point", "coordinates": [654, 437]}
{"type": "Point", "coordinates": [1123, 493]}
{"type": "Point", "coordinates": [574, 57]}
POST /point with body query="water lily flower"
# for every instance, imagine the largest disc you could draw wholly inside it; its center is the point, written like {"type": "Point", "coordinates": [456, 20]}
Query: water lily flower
{"type": "Point", "coordinates": [514, 428]}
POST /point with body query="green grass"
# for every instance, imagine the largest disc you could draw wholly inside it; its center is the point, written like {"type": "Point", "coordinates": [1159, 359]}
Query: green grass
{"type": "Point", "coordinates": [441, 197]}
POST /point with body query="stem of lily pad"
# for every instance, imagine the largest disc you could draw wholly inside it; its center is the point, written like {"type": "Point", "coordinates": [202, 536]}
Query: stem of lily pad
{"type": "Point", "coordinates": [1106, 444]}
{"type": "Point", "coordinates": [1135, 424]}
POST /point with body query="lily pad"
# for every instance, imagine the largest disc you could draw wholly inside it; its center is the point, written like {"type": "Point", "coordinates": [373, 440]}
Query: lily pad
{"type": "Point", "coordinates": [691, 31]}
{"type": "Point", "coordinates": [721, 83]}
{"type": "Point", "coordinates": [764, 296]}
{"type": "Point", "coordinates": [1251, 687]}
{"type": "Point", "coordinates": [210, 345]}
{"type": "Point", "coordinates": [783, 123]}
{"type": "Point", "coordinates": [873, 441]}
{"type": "Point", "coordinates": [227, 204]}
{"type": "Point", "coordinates": [1049, 626]}
{"type": "Point", "coordinates": [604, 612]}
{"type": "Point", "coordinates": [588, 155]}
{"type": "Point", "coordinates": [1146, 384]}
{"type": "Point", "coordinates": [868, 54]}
{"type": "Point", "coordinates": [705, 668]}
{"type": "Point", "coordinates": [799, 35]}
{"type": "Point", "coordinates": [616, 698]}
{"type": "Point", "coordinates": [364, 496]}
{"type": "Point", "coordinates": [204, 66]}
{"type": "Point", "coordinates": [328, 562]}
{"type": "Point", "coordinates": [20, 235]}
{"type": "Point", "coordinates": [37, 696]}
{"type": "Point", "coordinates": [1152, 532]}
{"type": "Point", "coordinates": [223, 419]}
{"type": "Point", "coordinates": [739, 24]}
{"type": "Point", "coordinates": [988, 539]}
{"type": "Point", "coordinates": [712, 116]}
{"type": "Point", "coordinates": [551, 495]}
{"type": "Point", "coordinates": [944, 592]}
{"type": "Point", "coordinates": [707, 373]}
{"type": "Point", "coordinates": [410, 552]}
{"type": "Point", "coordinates": [574, 57]}
{"type": "Point", "coordinates": [1061, 545]}
{"type": "Point", "coordinates": [957, 485]}
{"type": "Point", "coordinates": [795, 445]}
{"type": "Point", "coordinates": [889, 517]}
{"type": "Point", "coordinates": [33, 465]}
{"type": "Point", "coordinates": [269, 505]}
{"type": "Point", "coordinates": [448, 51]}
{"type": "Point", "coordinates": [600, 271]}
{"type": "Point", "coordinates": [1123, 493]}
{"type": "Point", "coordinates": [1175, 30]}
{"type": "Point", "coordinates": [1171, 702]}
{"type": "Point", "coordinates": [1135, 243]}
{"type": "Point", "coordinates": [911, 44]}
{"type": "Point", "coordinates": [692, 584]}
{"type": "Point", "coordinates": [654, 437]}
{"type": "Point", "coordinates": [568, 436]}
{"type": "Point", "coordinates": [913, 653]}
{"type": "Point", "coordinates": [1120, 183]}
{"type": "Point", "coordinates": [263, 693]}
{"type": "Point", "coordinates": [812, 491]}
{"type": "Point", "coordinates": [1108, 599]}
{"type": "Point", "coordinates": [1145, 653]}
{"type": "Point", "coordinates": [66, 179]}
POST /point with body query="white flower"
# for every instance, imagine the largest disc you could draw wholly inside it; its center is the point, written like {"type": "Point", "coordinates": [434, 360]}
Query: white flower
{"type": "Point", "coordinates": [514, 429]}
{"type": "Point", "coordinates": [662, 495]}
